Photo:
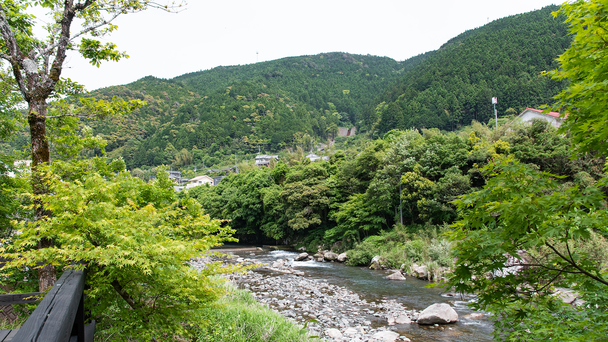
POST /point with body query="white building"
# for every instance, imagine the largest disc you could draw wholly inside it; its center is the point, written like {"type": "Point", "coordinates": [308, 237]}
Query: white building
{"type": "Point", "coordinates": [530, 114]}
{"type": "Point", "coordinates": [200, 180]}
{"type": "Point", "coordinates": [264, 159]}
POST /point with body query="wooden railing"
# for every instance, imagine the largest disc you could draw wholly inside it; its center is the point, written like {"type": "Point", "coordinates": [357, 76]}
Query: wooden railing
{"type": "Point", "coordinates": [58, 318]}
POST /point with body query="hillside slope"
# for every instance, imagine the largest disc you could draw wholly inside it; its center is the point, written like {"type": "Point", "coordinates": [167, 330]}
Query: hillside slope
{"type": "Point", "coordinates": [454, 86]}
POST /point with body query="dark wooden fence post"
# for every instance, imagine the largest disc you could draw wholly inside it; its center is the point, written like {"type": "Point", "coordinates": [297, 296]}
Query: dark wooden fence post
{"type": "Point", "coordinates": [60, 315]}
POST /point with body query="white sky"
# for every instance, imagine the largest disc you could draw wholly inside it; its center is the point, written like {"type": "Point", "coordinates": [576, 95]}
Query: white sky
{"type": "Point", "coordinates": [213, 33]}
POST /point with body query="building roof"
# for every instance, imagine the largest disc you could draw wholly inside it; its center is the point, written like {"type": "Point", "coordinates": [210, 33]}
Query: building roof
{"type": "Point", "coordinates": [200, 178]}
{"type": "Point", "coordinates": [540, 111]}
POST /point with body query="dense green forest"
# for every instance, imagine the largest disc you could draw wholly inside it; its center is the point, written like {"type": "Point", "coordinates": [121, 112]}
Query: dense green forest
{"type": "Point", "coordinates": [241, 108]}
{"type": "Point", "coordinates": [454, 86]}
{"type": "Point", "coordinates": [356, 193]}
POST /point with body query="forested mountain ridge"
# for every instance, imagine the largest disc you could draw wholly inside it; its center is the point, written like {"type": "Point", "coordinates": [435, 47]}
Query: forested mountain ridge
{"type": "Point", "coordinates": [243, 107]}
{"type": "Point", "coordinates": [502, 59]}
{"type": "Point", "coordinates": [272, 105]}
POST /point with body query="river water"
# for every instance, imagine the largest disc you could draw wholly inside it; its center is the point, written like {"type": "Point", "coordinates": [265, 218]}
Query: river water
{"type": "Point", "coordinates": [412, 293]}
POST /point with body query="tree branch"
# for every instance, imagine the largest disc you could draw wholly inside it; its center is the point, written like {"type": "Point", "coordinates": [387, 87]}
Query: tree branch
{"type": "Point", "coordinates": [16, 56]}
{"type": "Point", "coordinates": [79, 34]}
{"type": "Point", "coordinates": [126, 296]}
{"type": "Point", "coordinates": [71, 115]}
{"type": "Point", "coordinates": [582, 270]}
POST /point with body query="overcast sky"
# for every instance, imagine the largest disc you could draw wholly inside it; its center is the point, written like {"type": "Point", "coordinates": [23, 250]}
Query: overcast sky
{"type": "Point", "coordinates": [212, 33]}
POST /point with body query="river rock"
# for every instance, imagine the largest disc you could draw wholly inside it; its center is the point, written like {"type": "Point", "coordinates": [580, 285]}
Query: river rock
{"type": "Point", "coordinates": [342, 257]}
{"type": "Point", "coordinates": [439, 313]}
{"type": "Point", "coordinates": [386, 336]}
{"type": "Point", "coordinates": [376, 263]}
{"type": "Point", "coordinates": [395, 276]}
{"type": "Point", "coordinates": [475, 315]}
{"type": "Point", "coordinates": [351, 331]}
{"type": "Point", "coordinates": [301, 257]}
{"type": "Point", "coordinates": [403, 319]}
{"type": "Point", "coordinates": [419, 272]}
{"type": "Point", "coordinates": [318, 255]}
{"type": "Point", "coordinates": [333, 333]}
{"type": "Point", "coordinates": [330, 256]}
{"type": "Point", "coordinates": [278, 264]}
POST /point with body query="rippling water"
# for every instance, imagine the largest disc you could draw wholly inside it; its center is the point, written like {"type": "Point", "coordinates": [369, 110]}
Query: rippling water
{"type": "Point", "coordinates": [413, 293]}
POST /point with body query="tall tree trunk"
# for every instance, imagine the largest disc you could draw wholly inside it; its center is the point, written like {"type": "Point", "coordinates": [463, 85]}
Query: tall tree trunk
{"type": "Point", "coordinates": [47, 275]}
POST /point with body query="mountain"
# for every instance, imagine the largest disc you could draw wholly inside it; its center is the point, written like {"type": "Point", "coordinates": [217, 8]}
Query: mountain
{"type": "Point", "coordinates": [212, 114]}
{"type": "Point", "coordinates": [243, 107]}
{"type": "Point", "coordinates": [454, 86]}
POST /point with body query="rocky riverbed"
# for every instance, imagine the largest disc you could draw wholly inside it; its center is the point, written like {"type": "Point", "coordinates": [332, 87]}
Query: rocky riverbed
{"type": "Point", "coordinates": [329, 311]}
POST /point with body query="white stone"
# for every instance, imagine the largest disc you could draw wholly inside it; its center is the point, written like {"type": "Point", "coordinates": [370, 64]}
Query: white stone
{"type": "Point", "coordinates": [330, 256]}
{"type": "Point", "coordinates": [333, 333]}
{"type": "Point", "coordinates": [351, 331]}
{"type": "Point", "coordinates": [395, 276]}
{"type": "Point", "coordinates": [386, 336]}
{"type": "Point", "coordinates": [439, 313]}
{"type": "Point", "coordinates": [342, 257]}
{"type": "Point", "coordinates": [301, 257]}
{"type": "Point", "coordinates": [403, 319]}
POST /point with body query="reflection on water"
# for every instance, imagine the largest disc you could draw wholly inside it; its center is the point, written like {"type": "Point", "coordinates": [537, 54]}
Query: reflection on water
{"type": "Point", "coordinates": [412, 293]}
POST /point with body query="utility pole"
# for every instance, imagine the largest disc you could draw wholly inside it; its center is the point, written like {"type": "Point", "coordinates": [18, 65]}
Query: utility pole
{"type": "Point", "coordinates": [236, 169]}
{"type": "Point", "coordinates": [494, 102]}
{"type": "Point", "coordinates": [400, 202]}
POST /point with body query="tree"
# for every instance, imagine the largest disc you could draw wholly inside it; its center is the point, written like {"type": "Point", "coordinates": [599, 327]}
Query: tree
{"type": "Point", "coordinates": [37, 64]}
{"type": "Point", "coordinates": [584, 65]}
{"type": "Point", "coordinates": [523, 234]}
{"type": "Point", "coordinates": [136, 240]}
{"type": "Point", "coordinates": [526, 233]}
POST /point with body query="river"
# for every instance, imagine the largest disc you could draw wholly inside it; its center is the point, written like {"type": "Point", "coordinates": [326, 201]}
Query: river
{"type": "Point", "coordinates": [371, 286]}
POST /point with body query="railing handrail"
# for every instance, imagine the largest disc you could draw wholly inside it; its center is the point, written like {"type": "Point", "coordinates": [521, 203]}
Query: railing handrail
{"type": "Point", "coordinates": [60, 314]}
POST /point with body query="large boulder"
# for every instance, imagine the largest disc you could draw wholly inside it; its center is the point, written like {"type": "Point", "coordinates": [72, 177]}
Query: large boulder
{"type": "Point", "coordinates": [342, 257]}
{"type": "Point", "coordinates": [330, 256]}
{"type": "Point", "coordinates": [301, 256]}
{"type": "Point", "coordinates": [439, 313]}
{"type": "Point", "coordinates": [396, 276]}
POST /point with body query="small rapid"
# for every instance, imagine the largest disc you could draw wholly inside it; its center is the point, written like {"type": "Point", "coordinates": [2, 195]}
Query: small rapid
{"type": "Point", "coordinates": [373, 287]}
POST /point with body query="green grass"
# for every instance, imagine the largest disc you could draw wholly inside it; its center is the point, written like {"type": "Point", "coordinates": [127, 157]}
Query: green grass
{"type": "Point", "coordinates": [239, 318]}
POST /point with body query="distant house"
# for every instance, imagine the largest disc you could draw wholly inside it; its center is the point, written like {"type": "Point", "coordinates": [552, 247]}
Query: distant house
{"type": "Point", "coordinates": [200, 180]}
{"type": "Point", "coordinates": [217, 180]}
{"type": "Point", "coordinates": [174, 174]}
{"type": "Point", "coordinates": [530, 114]}
{"type": "Point", "coordinates": [264, 159]}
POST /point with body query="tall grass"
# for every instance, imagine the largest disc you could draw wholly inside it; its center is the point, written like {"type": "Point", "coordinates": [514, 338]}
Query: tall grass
{"type": "Point", "coordinates": [239, 318]}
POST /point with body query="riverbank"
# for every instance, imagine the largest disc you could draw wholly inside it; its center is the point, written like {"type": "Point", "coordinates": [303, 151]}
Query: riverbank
{"type": "Point", "coordinates": [338, 313]}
